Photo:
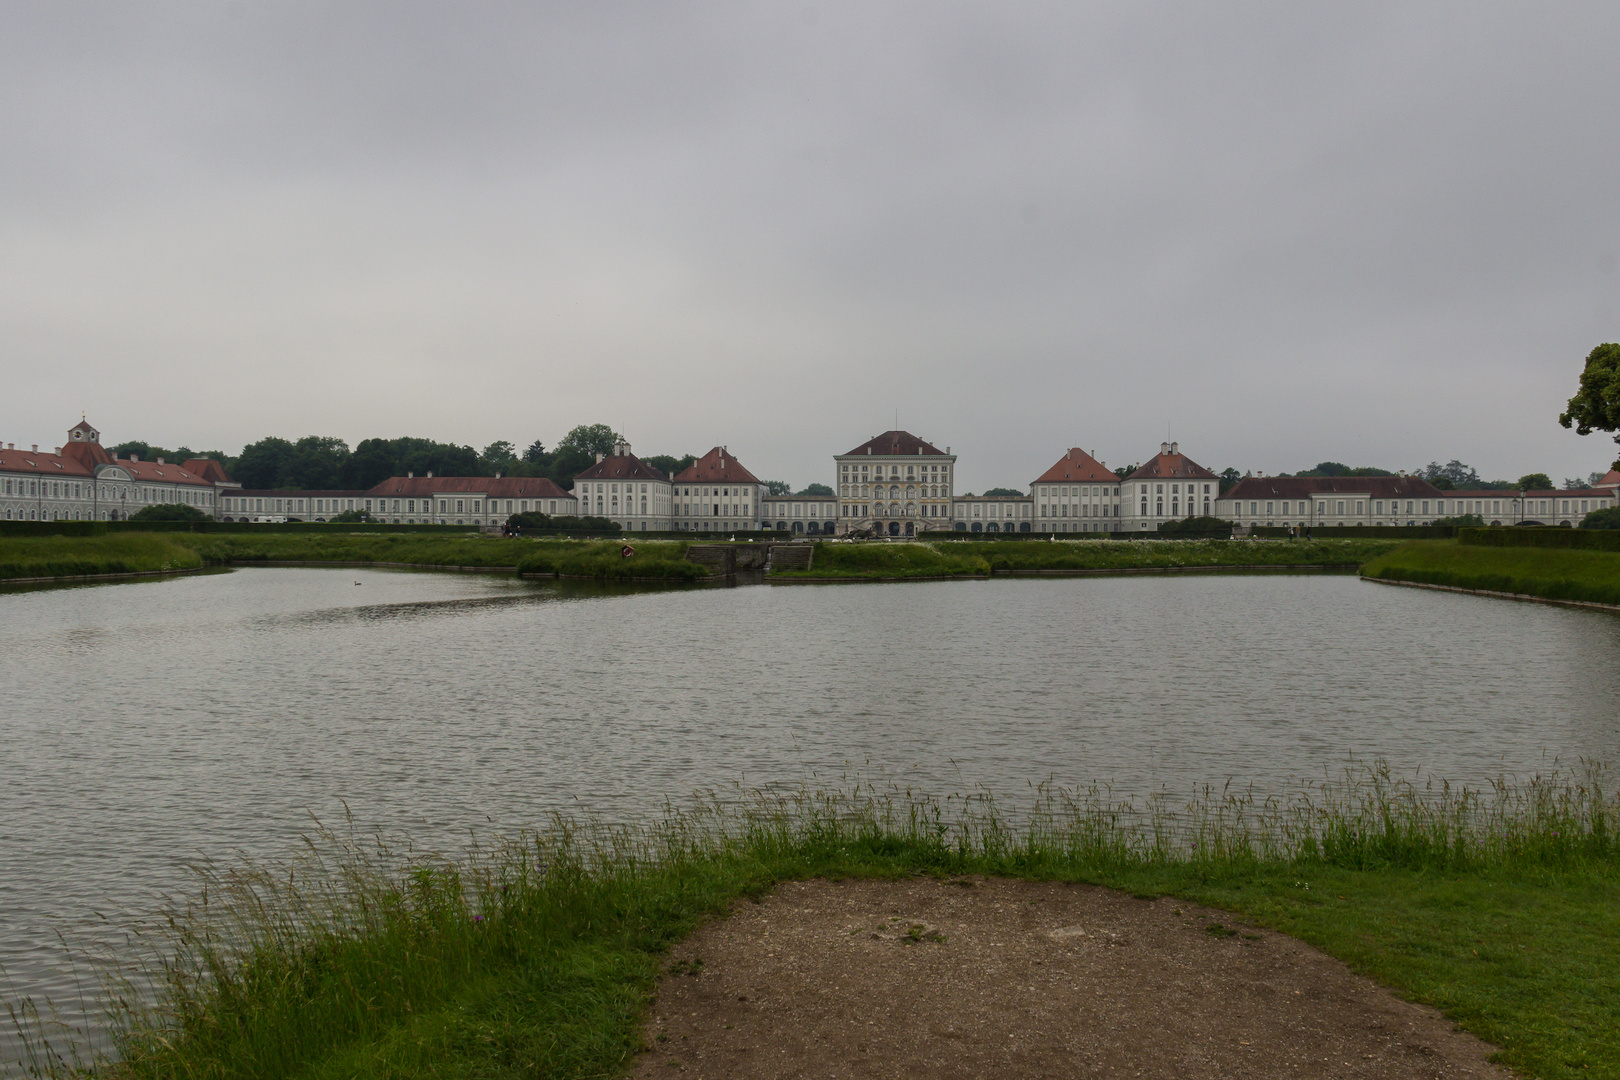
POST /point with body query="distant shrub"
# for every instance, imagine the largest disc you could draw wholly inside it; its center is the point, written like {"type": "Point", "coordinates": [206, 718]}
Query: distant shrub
{"type": "Point", "coordinates": [1602, 519]}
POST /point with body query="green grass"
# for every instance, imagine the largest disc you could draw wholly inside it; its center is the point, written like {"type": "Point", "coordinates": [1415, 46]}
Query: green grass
{"type": "Point", "coordinates": [881, 561]}
{"type": "Point", "coordinates": [605, 560]}
{"type": "Point", "coordinates": [1550, 573]}
{"type": "Point", "coordinates": [219, 549]}
{"type": "Point", "coordinates": [74, 556]}
{"type": "Point", "coordinates": [537, 957]}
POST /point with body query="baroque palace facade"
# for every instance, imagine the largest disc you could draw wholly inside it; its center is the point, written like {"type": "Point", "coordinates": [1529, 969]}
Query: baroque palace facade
{"type": "Point", "coordinates": [894, 484]}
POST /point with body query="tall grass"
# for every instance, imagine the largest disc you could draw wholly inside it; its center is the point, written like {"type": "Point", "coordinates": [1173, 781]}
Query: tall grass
{"type": "Point", "coordinates": [219, 549]}
{"type": "Point", "coordinates": [606, 560]}
{"type": "Point", "coordinates": [534, 955]}
{"type": "Point", "coordinates": [74, 556]}
{"type": "Point", "coordinates": [945, 558]}
{"type": "Point", "coordinates": [1552, 574]}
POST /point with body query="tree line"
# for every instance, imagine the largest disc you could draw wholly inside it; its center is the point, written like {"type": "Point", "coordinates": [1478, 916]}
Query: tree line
{"type": "Point", "coordinates": [324, 462]}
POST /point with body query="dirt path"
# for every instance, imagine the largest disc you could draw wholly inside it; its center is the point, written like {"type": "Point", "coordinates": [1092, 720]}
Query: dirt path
{"type": "Point", "coordinates": [995, 978]}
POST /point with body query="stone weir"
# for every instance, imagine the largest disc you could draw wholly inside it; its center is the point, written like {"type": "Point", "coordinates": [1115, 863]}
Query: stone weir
{"type": "Point", "coordinates": [730, 558]}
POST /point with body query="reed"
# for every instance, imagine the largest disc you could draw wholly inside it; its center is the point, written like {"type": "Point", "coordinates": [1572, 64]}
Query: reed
{"type": "Point", "coordinates": [535, 955]}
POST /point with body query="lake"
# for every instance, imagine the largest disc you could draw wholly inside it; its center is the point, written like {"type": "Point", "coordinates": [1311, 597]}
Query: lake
{"type": "Point", "coordinates": [147, 724]}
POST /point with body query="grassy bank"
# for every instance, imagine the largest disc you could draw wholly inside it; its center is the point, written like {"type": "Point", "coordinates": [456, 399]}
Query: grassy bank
{"type": "Point", "coordinates": [950, 559]}
{"type": "Point", "coordinates": [221, 549]}
{"type": "Point", "coordinates": [663, 560]}
{"type": "Point", "coordinates": [536, 957]}
{"type": "Point", "coordinates": [1553, 574]}
{"type": "Point", "coordinates": [72, 556]}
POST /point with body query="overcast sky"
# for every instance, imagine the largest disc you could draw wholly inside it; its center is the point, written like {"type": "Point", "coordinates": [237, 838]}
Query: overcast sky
{"type": "Point", "coordinates": [1280, 233]}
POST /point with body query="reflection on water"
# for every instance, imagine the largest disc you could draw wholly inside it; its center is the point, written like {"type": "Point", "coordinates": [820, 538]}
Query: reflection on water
{"type": "Point", "coordinates": [149, 723]}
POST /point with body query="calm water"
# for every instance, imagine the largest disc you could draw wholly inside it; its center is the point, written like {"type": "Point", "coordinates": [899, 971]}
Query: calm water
{"type": "Point", "coordinates": [146, 724]}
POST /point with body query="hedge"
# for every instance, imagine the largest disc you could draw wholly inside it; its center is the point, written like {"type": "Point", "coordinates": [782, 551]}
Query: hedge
{"type": "Point", "coordinates": [1584, 539]}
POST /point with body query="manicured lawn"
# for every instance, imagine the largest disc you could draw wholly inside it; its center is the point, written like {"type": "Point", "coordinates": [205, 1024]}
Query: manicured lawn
{"type": "Point", "coordinates": [1552, 573]}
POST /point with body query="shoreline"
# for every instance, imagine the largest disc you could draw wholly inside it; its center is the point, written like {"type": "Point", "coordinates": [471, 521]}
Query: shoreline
{"type": "Point", "coordinates": [1494, 593]}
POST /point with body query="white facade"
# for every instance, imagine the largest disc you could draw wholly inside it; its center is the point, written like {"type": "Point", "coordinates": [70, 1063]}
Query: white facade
{"type": "Point", "coordinates": [992, 513]}
{"type": "Point", "coordinates": [1077, 494]}
{"type": "Point", "coordinates": [801, 514]}
{"type": "Point", "coordinates": [717, 494]}
{"type": "Point", "coordinates": [82, 482]}
{"type": "Point", "coordinates": [1168, 487]}
{"type": "Point", "coordinates": [894, 485]}
{"type": "Point", "coordinates": [627, 491]}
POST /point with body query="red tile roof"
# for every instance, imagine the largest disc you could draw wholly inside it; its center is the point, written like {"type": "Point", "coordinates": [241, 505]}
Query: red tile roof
{"type": "Point", "coordinates": [895, 444]}
{"type": "Point", "coordinates": [30, 461]}
{"type": "Point", "coordinates": [627, 467]}
{"type": "Point", "coordinates": [208, 469]}
{"type": "Point", "coordinates": [77, 459]}
{"type": "Point", "coordinates": [1304, 487]}
{"type": "Point", "coordinates": [1610, 479]}
{"type": "Point", "coordinates": [505, 487]}
{"type": "Point", "coordinates": [716, 467]}
{"type": "Point", "coordinates": [1078, 467]}
{"type": "Point", "coordinates": [1168, 465]}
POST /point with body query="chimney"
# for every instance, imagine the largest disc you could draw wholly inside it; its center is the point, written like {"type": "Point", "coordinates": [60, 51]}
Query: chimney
{"type": "Point", "coordinates": [1174, 449]}
{"type": "Point", "coordinates": [160, 460]}
{"type": "Point", "coordinates": [1164, 448]}
{"type": "Point", "coordinates": [36, 449]}
{"type": "Point", "coordinates": [430, 474]}
{"type": "Point", "coordinates": [497, 476]}
{"type": "Point", "coordinates": [599, 458]}
{"type": "Point", "coordinates": [58, 453]}
{"type": "Point", "coordinates": [410, 476]}
{"type": "Point", "coordinates": [132, 456]}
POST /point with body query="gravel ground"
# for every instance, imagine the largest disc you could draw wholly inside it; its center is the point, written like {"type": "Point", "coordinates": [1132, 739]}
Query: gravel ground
{"type": "Point", "coordinates": [992, 978]}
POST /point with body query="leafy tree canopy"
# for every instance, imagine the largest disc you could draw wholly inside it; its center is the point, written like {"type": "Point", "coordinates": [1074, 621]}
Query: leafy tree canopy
{"type": "Point", "coordinates": [1454, 473]}
{"type": "Point", "coordinates": [1536, 481]}
{"type": "Point", "coordinates": [593, 439]}
{"type": "Point", "coordinates": [778, 487]}
{"type": "Point", "coordinates": [536, 453]}
{"type": "Point", "coordinates": [1466, 521]}
{"type": "Point", "coordinates": [1596, 405]}
{"type": "Point", "coordinates": [669, 465]}
{"type": "Point", "coordinates": [1124, 470]}
{"type": "Point", "coordinates": [1229, 480]}
{"type": "Point", "coordinates": [498, 455]}
{"type": "Point", "coordinates": [1002, 491]}
{"type": "Point", "coordinates": [817, 489]}
{"type": "Point", "coordinates": [169, 512]}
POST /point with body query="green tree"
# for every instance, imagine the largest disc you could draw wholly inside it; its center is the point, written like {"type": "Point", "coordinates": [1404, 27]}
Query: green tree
{"type": "Point", "coordinates": [263, 464]}
{"type": "Point", "coordinates": [593, 439]}
{"type": "Point", "coordinates": [317, 462]}
{"type": "Point", "coordinates": [670, 465]}
{"type": "Point", "coordinates": [822, 490]}
{"type": "Point", "coordinates": [578, 449]}
{"type": "Point", "coordinates": [498, 456]}
{"type": "Point", "coordinates": [1536, 481]}
{"type": "Point", "coordinates": [1455, 474]}
{"type": "Point", "coordinates": [536, 453]}
{"type": "Point", "coordinates": [778, 487]}
{"type": "Point", "coordinates": [349, 517]}
{"type": "Point", "coordinates": [1229, 480]}
{"type": "Point", "coordinates": [169, 512]}
{"type": "Point", "coordinates": [994, 491]}
{"type": "Point", "coordinates": [1596, 405]}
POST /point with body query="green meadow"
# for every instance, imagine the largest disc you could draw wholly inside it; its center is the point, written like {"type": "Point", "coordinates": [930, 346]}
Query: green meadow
{"type": "Point", "coordinates": [1550, 573]}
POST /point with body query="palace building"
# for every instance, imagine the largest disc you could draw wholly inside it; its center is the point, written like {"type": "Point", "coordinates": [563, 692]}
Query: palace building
{"type": "Point", "coordinates": [631, 493]}
{"type": "Point", "coordinates": [894, 484]}
{"type": "Point", "coordinates": [716, 494]}
{"type": "Point", "coordinates": [81, 481]}
{"type": "Point", "coordinates": [1078, 494]}
{"type": "Point", "coordinates": [1167, 487]}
